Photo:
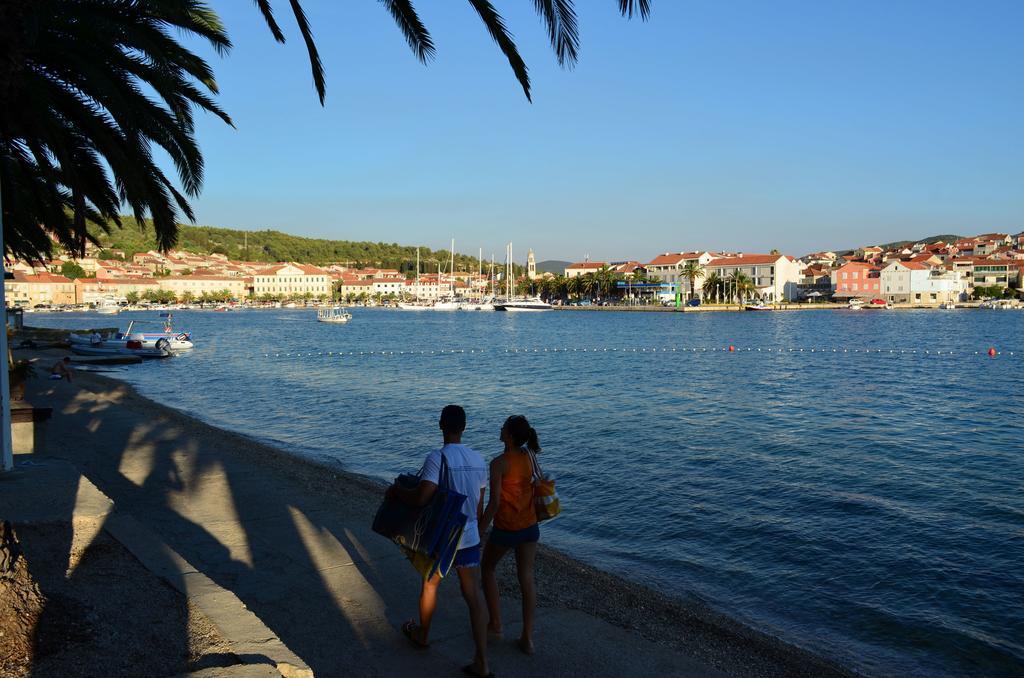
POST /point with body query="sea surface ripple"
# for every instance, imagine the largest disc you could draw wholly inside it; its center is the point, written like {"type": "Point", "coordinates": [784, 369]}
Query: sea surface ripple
{"type": "Point", "coordinates": [864, 500]}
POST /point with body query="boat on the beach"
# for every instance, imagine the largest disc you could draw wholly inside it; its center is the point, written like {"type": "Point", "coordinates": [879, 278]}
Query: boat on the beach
{"type": "Point", "coordinates": [173, 341]}
{"type": "Point", "coordinates": [520, 305]}
{"type": "Point", "coordinates": [132, 345]}
{"type": "Point", "coordinates": [333, 314]}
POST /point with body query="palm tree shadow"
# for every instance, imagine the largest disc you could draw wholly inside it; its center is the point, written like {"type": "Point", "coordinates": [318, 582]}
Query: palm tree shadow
{"type": "Point", "coordinates": [284, 555]}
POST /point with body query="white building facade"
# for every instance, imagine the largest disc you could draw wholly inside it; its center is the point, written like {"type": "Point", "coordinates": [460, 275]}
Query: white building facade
{"type": "Point", "coordinates": [908, 282]}
{"type": "Point", "coordinates": [292, 280]}
{"type": "Point", "coordinates": [776, 277]}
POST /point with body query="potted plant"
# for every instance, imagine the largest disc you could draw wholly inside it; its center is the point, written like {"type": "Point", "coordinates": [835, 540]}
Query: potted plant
{"type": "Point", "coordinates": [19, 373]}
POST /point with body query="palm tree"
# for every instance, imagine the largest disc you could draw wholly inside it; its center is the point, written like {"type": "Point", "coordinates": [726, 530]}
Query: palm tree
{"type": "Point", "coordinates": [559, 17]}
{"type": "Point", "coordinates": [691, 272]}
{"type": "Point", "coordinates": [712, 286]}
{"type": "Point", "coordinates": [740, 286]}
{"type": "Point", "coordinates": [604, 279]}
{"type": "Point", "coordinates": [560, 286]}
{"type": "Point", "coordinates": [97, 84]}
{"type": "Point", "coordinates": [576, 285]}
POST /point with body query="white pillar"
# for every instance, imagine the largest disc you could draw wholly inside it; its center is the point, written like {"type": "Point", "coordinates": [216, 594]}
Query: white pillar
{"type": "Point", "coordinates": [7, 459]}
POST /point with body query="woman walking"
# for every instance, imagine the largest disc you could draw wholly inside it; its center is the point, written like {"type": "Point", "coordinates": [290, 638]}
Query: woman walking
{"type": "Point", "coordinates": [512, 509]}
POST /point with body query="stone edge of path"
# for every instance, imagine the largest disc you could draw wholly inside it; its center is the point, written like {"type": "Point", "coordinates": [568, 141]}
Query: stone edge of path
{"type": "Point", "coordinates": [250, 639]}
{"type": "Point", "coordinates": [89, 510]}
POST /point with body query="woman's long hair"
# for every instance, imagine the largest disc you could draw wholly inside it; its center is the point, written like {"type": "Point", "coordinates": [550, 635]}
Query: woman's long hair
{"type": "Point", "coordinates": [522, 433]}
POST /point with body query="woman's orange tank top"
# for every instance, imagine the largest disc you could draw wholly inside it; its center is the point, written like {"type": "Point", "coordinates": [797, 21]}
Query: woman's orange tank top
{"type": "Point", "coordinates": [516, 511]}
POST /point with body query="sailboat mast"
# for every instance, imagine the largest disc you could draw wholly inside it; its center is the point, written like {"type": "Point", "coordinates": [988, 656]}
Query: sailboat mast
{"type": "Point", "coordinates": [451, 273]}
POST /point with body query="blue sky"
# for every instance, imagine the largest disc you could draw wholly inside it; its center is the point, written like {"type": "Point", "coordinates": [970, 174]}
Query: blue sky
{"type": "Point", "coordinates": [739, 125]}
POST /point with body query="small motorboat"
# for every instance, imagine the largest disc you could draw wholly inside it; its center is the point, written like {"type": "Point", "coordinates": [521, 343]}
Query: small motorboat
{"type": "Point", "coordinates": [174, 341]}
{"type": "Point", "coordinates": [520, 305]}
{"type": "Point", "coordinates": [757, 307]}
{"type": "Point", "coordinates": [133, 345]}
{"type": "Point", "coordinates": [108, 307]}
{"type": "Point", "coordinates": [334, 314]}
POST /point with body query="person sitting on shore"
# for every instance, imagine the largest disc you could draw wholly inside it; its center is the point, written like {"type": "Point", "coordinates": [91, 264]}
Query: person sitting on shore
{"type": "Point", "coordinates": [62, 370]}
{"type": "Point", "coordinates": [515, 523]}
{"type": "Point", "coordinates": [468, 477]}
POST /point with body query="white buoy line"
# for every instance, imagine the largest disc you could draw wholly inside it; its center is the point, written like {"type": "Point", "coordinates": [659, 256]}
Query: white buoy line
{"type": "Point", "coordinates": [989, 353]}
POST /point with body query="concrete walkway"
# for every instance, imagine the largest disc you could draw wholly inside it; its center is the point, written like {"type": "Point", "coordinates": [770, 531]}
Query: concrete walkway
{"type": "Point", "coordinates": [296, 548]}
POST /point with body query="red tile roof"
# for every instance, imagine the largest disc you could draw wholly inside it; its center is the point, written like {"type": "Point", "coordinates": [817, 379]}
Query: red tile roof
{"type": "Point", "coordinates": [21, 276]}
{"type": "Point", "coordinates": [746, 260]}
{"type": "Point", "coordinates": [672, 258]}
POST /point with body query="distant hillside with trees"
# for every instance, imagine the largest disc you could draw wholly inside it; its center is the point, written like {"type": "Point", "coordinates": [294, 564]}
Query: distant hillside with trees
{"type": "Point", "coordinates": [273, 246]}
{"type": "Point", "coordinates": [552, 266]}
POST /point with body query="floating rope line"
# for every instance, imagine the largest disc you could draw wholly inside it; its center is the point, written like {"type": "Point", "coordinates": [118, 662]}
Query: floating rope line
{"type": "Point", "coordinates": [731, 349]}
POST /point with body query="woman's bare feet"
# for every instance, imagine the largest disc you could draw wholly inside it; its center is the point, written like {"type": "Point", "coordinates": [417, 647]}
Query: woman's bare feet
{"type": "Point", "coordinates": [526, 646]}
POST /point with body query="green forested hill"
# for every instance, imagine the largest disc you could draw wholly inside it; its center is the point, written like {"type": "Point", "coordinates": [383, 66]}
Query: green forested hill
{"type": "Point", "coordinates": [277, 246]}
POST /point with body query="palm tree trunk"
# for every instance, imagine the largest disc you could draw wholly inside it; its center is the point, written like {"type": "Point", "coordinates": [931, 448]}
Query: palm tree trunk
{"type": "Point", "coordinates": [7, 458]}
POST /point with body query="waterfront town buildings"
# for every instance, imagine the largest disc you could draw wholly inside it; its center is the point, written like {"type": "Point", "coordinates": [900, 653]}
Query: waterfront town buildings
{"type": "Point", "coordinates": [46, 289]}
{"type": "Point", "coordinates": [776, 277]}
{"type": "Point", "coordinates": [667, 268]}
{"type": "Point", "coordinates": [923, 273]}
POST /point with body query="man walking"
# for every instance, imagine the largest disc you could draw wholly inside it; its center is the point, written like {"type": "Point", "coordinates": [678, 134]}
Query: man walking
{"type": "Point", "coordinates": [468, 476]}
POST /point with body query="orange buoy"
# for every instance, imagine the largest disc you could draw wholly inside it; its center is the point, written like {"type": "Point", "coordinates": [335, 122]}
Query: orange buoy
{"type": "Point", "coordinates": [732, 349]}
{"type": "Point", "coordinates": [992, 353]}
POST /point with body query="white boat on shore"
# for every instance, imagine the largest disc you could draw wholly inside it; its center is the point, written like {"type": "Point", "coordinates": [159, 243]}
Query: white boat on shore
{"type": "Point", "coordinates": [333, 314]}
{"type": "Point", "coordinates": [131, 345]}
{"type": "Point", "coordinates": [167, 338]}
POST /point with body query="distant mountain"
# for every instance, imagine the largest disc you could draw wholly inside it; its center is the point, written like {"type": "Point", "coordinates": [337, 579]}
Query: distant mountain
{"type": "Point", "coordinates": [552, 266]}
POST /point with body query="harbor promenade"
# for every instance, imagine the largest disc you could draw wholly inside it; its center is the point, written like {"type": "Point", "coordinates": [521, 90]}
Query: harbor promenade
{"type": "Point", "coordinates": [279, 554]}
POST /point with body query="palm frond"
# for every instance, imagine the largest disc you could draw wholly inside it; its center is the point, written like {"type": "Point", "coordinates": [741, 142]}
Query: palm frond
{"type": "Point", "coordinates": [317, 67]}
{"type": "Point", "coordinates": [268, 17]}
{"type": "Point", "coordinates": [499, 33]}
{"type": "Point", "coordinates": [560, 19]}
{"type": "Point", "coordinates": [416, 34]}
{"type": "Point", "coordinates": [628, 8]}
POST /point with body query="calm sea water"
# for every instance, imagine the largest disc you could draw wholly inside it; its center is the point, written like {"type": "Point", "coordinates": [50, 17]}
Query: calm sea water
{"type": "Point", "coordinates": [866, 505]}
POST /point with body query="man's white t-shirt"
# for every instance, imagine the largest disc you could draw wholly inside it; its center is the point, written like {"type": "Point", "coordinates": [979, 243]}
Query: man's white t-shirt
{"type": "Point", "coordinates": [467, 475]}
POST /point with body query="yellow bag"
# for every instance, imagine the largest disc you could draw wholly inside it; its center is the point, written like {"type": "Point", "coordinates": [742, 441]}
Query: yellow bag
{"type": "Point", "coordinates": [545, 497]}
